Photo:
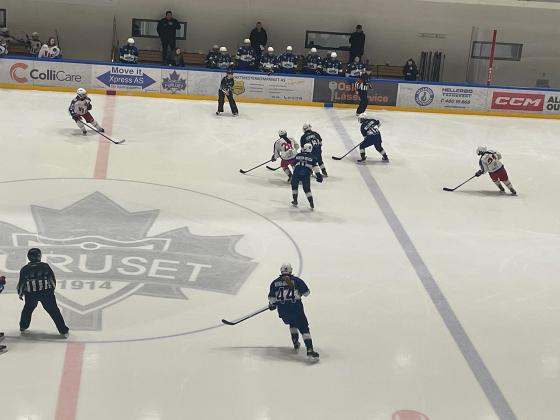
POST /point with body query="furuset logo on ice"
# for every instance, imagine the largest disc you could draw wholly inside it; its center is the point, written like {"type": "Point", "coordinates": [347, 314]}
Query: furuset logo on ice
{"type": "Point", "coordinates": [102, 255]}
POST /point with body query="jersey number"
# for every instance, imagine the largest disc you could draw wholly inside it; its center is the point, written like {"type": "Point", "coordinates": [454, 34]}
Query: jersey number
{"type": "Point", "coordinates": [282, 295]}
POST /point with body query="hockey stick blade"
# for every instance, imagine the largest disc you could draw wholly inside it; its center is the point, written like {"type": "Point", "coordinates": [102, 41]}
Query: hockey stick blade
{"type": "Point", "coordinates": [272, 169]}
{"type": "Point", "coordinates": [448, 189]}
{"type": "Point", "coordinates": [242, 171]}
{"type": "Point", "coordinates": [228, 322]}
{"type": "Point", "coordinates": [337, 158]}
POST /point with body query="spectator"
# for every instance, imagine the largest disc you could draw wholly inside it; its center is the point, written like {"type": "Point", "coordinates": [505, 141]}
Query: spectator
{"type": "Point", "coordinates": [3, 349]}
{"type": "Point", "coordinates": [37, 283]}
{"type": "Point", "coordinates": [357, 43]}
{"type": "Point", "coordinates": [224, 61]}
{"type": "Point", "coordinates": [410, 71]}
{"type": "Point", "coordinates": [211, 57]}
{"type": "Point", "coordinates": [167, 30]}
{"type": "Point", "coordinates": [176, 59]}
{"type": "Point", "coordinates": [50, 50]}
{"type": "Point", "coordinates": [245, 56]}
{"type": "Point", "coordinates": [288, 61]}
{"type": "Point", "coordinates": [313, 64]}
{"type": "Point", "coordinates": [34, 44]}
{"type": "Point", "coordinates": [332, 66]}
{"type": "Point", "coordinates": [269, 61]}
{"type": "Point", "coordinates": [258, 40]}
{"type": "Point", "coordinates": [128, 53]}
{"type": "Point", "coordinates": [3, 48]}
{"type": "Point", "coordinates": [355, 68]}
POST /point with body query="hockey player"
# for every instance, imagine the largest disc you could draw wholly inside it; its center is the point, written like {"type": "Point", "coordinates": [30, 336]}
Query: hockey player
{"type": "Point", "coordinates": [355, 68]}
{"type": "Point", "coordinates": [79, 109]}
{"type": "Point", "coordinates": [286, 149]}
{"type": "Point", "coordinates": [287, 62]}
{"type": "Point", "coordinates": [223, 60]}
{"type": "Point", "coordinates": [490, 162]}
{"type": "Point", "coordinates": [211, 57]}
{"type": "Point", "coordinates": [245, 58]}
{"type": "Point", "coordinates": [332, 66]}
{"type": "Point", "coordinates": [285, 295]}
{"type": "Point", "coordinates": [312, 137]}
{"type": "Point", "coordinates": [3, 349]}
{"type": "Point", "coordinates": [313, 64]}
{"type": "Point", "coordinates": [34, 44]}
{"type": "Point", "coordinates": [128, 53]}
{"type": "Point", "coordinates": [372, 137]}
{"type": "Point", "coordinates": [226, 89]}
{"type": "Point", "coordinates": [269, 61]}
{"type": "Point", "coordinates": [50, 50]}
{"type": "Point", "coordinates": [3, 48]}
{"type": "Point", "coordinates": [362, 86]}
{"type": "Point", "coordinates": [304, 165]}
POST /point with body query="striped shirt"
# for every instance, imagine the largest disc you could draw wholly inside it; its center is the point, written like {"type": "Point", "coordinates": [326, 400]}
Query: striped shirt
{"type": "Point", "coordinates": [34, 277]}
{"type": "Point", "coordinates": [363, 84]}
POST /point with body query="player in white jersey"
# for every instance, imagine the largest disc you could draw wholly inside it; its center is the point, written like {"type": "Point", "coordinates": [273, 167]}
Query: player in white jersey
{"type": "Point", "coordinates": [285, 148]}
{"type": "Point", "coordinates": [79, 109]}
{"type": "Point", "coordinates": [50, 50]}
{"type": "Point", "coordinates": [490, 161]}
{"type": "Point", "coordinates": [34, 44]}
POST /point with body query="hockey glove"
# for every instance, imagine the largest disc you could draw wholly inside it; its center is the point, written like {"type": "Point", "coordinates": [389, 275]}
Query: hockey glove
{"type": "Point", "coordinates": [271, 307]}
{"type": "Point", "coordinates": [273, 158]}
{"type": "Point", "coordinates": [76, 117]}
{"type": "Point", "coordinates": [319, 177]}
{"type": "Point", "coordinates": [89, 106]}
{"type": "Point", "coordinates": [478, 173]}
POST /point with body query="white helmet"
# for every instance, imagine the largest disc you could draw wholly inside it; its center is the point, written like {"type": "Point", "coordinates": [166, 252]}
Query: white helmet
{"type": "Point", "coordinates": [215, 47]}
{"type": "Point", "coordinates": [270, 50]}
{"type": "Point", "coordinates": [81, 92]}
{"type": "Point", "coordinates": [363, 116]}
{"type": "Point", "coordinates": [307, 147]}
{"type": "Point", "coordinates": [286, 268]}
{"type": "Point", "coordinates": [306, 127]}
{"type": "Point", "coordinates": [313, 50]}
{"type": "Point", "coordinates": [333, 55]}
{"type": "Point", "coordinates": [289, 48]}
{"type": "Point", "coordinates": [223, 49]}
{"type": "Point", "coordinates": [246, 41]}
{"type": "Point", "coordinates": [130, 40]}
{"type": "Point", "coordinates": [35, 35]}
{"type": "Point", "coordinates": [282, 132]}
{"type": "Point", "coordinates": [480, 150]}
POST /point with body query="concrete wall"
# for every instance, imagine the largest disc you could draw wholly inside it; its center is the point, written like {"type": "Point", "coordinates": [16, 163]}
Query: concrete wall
{"type": "Point", "coordinates": [391, 26]}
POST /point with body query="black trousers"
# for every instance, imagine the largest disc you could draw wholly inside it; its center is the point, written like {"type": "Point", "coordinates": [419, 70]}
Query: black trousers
{"type": "Point", "coordinates": [167, 45]}
{"type": "Point", "coordinates": [305, 182]}
{"type": "Point", "coordinates": [364, 101]}
{"type": "Point", "coordinates": [48, 300]}
{"type": "Point", "coordinates": [231, 100]}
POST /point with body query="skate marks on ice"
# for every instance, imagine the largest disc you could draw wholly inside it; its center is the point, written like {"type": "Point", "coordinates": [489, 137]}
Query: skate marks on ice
{"type": "Point", "coordinates": [269, 353]}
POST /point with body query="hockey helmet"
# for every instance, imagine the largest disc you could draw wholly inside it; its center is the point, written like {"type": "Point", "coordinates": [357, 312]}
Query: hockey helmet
{"type": "Point", "coordinates": [246, 41]}
{"type": "Point", "coordinates": [130, 41]}
{"type": "Point", "coordinates": [306, 127]}
{"type": "Point", "coordinates": [34, 254]}
{"type": "Point", "coordinates": [333, 55]}
{"type": "Point", "coordinates": [223, 49]}
{"type": "Point", "coordinates": [480, 150]}
{"type": "Point", "coordinates": [270, 50]}
{"type": "Point", "coordinates": [313, 50]}
{"type": "Point", "coordinates": [362, 117]}
{"type": "Point", "coordinates": [286, 268]}
{"type": "Point", "coordinates": [282, 132]}
{"type": "Point", "coordinates": [81, 92]}
{"type": "Point", "coordinates": [289, 48]}
{"type": "Point", "coordinates": [307, 147]}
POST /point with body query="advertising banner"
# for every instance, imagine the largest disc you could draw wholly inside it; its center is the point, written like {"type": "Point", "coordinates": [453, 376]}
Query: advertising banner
{"type": "Point", "coordinates": [285, 88]}
{"type": "Point", "coordinates": [343, 91]}
{"type": "Point", "coordinates": [512, 100]}
{"type": "Point", "coordinates": [413, 95]}
{"type": "Point", "coordinates": [45, 73]}
{"type": "Point", "coordinates": [116, 77]}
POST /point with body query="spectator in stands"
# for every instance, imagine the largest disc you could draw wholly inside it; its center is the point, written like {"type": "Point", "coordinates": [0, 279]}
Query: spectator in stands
{"type": "Point", "coordinates": [128, 53]}
{"type": "Point", "coordinates": [332, 66]}
{"type": "Point", "coordinates": [5, 39]}
{"type": "Point", "coordinates": [34, 44]}
{"type": "Point", "coordinates": [259, 39]}
{"type": "Point", "coordinates": [313, 64]}
{"type": "Point", "coordinates": [176, 59]}
{"type": "Point", "coordinates": [211, 57]}
{"type": "Point", "coordinates": [288, 62]}
{"type": "Point", "coordinates": [357, 43]}
{"type": "Point", "coordinates": [3, 48]}
{"type": "Point", "coordinates": [167, 30]}
{"type": "Point", "coordinates": [269, 61]}
{"type": "Point", "coordinates": [410, 71]}
{"type": "Point", "coordinates": [223, 60]}
{"type": "Point", "coordinates": [355, 68]}
{"type": "Point", "coordinates": [246, 56]}
{"type": "Point", "coordinates": [50, 50]}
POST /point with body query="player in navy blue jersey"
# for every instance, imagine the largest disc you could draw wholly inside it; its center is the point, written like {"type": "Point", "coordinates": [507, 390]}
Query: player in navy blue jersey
{"type": "Point", "coordinates": [288, 62]}
{"type": "Point", "coordinates": [310, 136]}
{"type": "Point", "coordinates": [372, 137]}
{"type": "Point", "coordinates": [313, 64]}
{"type": "Point", "coordinates": [285, 295]}
{"type": "Point", "coordinates": [304, 165]}
{"type": "Point", "coordinates": [245, 58]}
{"type": "Point", "coordinates": [226, 90]}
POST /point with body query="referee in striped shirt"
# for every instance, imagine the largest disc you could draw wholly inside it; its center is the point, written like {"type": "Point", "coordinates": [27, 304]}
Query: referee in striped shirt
{"type": "Point", "coordinates": [362, 86]}
{"type": "Point", "coordinates": [37, 284]}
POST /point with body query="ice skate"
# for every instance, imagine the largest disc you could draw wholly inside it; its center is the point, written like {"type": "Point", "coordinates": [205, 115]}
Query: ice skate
{"type": "Point", "coordinates": [3, 349]}
{"type": "Point", "coordinates": [312, 355]}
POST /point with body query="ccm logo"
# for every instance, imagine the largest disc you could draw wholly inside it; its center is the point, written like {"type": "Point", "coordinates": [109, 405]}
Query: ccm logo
{"type": "Point", "coordinates": [14, 70]}
{"type": "Point", "coordinates": [518, 101]}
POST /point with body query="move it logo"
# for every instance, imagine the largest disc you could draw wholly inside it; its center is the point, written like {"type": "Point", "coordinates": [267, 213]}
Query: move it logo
{"type": "Point", "coordinates": [102, 254]}
{"type": "Point", "coordinates": [132, 78]}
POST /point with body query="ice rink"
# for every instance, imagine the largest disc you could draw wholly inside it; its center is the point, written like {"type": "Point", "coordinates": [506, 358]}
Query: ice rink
{"type": "Point", "coordinates": [424, 305]}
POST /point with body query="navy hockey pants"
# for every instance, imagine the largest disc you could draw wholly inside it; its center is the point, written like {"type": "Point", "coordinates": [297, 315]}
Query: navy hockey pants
{"type": "Point", "coordinates": [231, 100]}
{"type": "Point", "coordinates": [48, 300]}
{"type": "Point", "coordinates": [372, 140]}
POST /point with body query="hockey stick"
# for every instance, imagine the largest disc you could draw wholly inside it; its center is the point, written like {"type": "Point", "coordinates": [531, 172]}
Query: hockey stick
{"type": "Point", "coordinates": [100, 133]}
{"type": "Point", "coordinates": [246, 317]}
{"type": "Point", "coordinates": [258, 166]}
{"type": "Point", "coordinates": [453, 189]}
{"type": "Point", "coordinates": [272, 169]}
{"type": "Point", "coordinates": [347, 153]}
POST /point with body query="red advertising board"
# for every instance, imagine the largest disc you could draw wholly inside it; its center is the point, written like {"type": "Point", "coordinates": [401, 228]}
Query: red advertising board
{"type": "Point", "coordinates": [518, 101]}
